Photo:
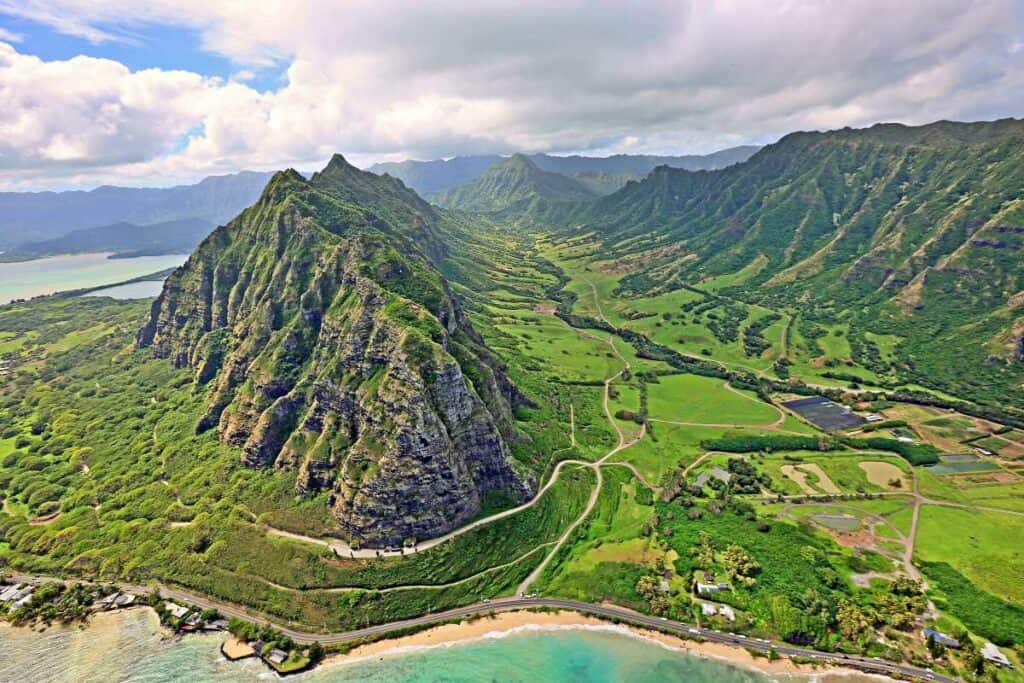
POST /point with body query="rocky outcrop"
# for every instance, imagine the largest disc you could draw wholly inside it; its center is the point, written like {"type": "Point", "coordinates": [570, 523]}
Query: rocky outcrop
{"type": "Point", "coordinates": [331, 346]}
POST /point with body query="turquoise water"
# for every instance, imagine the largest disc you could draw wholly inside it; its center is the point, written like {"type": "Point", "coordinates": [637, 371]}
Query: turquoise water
{"type": "Point", "coordinates": [130, 647]}
{"type": "Point", "coordinates": [26, 279]}
{"type": "Point", "coordinates": [144, 289]}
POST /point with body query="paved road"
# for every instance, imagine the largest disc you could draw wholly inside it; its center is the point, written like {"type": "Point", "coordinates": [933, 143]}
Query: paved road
{"type": "Point", "coordinates": [690, 631]}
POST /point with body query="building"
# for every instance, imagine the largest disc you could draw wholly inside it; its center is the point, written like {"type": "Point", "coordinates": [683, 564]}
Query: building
{"type": "Point", "coordinates": [993, 654]}
{"type": "Point", "coordinates": [176, 610]}
{"type": "Point", "coordinates": [709, 610]}
{"type": "Point", "coordinates": [721, 475]}
{"type": "Point", "coordinates": [277, 656]}
{"type": "Point", "coordinates": [706, 584]}
{"type": "Point", "coordinates": [217, 625]}
{"type": "Point", "coordinates": [16, 595]}
{"type": "Point", "coordinates": [941, 638]}
{"type": "Point", "coordinates": [874, 418]}
{"type": "Point", "coordinates": [107, 602]}
{"type": "Point", "coordinates": [124, 600]}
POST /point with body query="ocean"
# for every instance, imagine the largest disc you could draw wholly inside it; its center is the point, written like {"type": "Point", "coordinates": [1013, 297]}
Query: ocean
{"type": "Point", "coordinates": [130, 646]}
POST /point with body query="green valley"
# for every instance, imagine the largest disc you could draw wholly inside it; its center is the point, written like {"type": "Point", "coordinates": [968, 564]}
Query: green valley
{"type": "Point", "coordinates": [352, 407]}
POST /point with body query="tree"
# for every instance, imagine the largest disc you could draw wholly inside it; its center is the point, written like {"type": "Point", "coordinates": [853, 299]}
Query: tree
{"type": "Point", "coordinates": [854, 621]}
{"type": "Point", "coordinates": [936, 648]}
{"type": "Point", "coordinates": [739, 565]}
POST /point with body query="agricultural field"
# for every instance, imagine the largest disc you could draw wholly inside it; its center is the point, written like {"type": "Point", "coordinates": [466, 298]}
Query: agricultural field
{"type": "Point", "coordinates": [814, 473]}
{"type": "Point", "coordinates": [705, 400]}
{"type": "Point", "coordinates": [974, 543]}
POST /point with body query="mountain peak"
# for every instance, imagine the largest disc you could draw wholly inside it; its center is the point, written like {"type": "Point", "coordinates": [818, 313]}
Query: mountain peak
{"type": "Point", "coordinates": [314, 318]}
{"type": "Point", "coordinates": [514, 182]}
{"type": "Point", "coordinates": [519, 160]}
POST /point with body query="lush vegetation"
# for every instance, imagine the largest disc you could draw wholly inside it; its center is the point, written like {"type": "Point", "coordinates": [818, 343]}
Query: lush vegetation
{"type": "Point", "coordinates": [991, 617]}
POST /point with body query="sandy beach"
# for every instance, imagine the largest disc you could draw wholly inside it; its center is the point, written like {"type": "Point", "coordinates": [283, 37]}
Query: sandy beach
{"type": "Point", "coordinates": [505, 623]}
{"type": "Point", "coordinates": [233, 649]}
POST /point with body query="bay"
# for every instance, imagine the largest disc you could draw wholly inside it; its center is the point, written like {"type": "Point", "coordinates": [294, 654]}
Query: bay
{"type": "Point", "coordinates": [26, 279]}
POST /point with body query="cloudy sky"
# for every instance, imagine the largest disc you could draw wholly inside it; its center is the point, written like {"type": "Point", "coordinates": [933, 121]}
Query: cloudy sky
{"type": "Point", "coordinates": [159, 91]}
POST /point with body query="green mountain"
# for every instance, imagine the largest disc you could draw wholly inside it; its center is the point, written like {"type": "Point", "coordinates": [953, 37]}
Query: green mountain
{"type": "Point", "coordinates": [915, 232]}
{"type": "Point", "coordinates": [125, 239]}
{"type": "Point", "coordinates": [332, 346]}
{"type": "Point", "coordinates": [514, 186]}
{"type": "Point", "coordinates": [431, 177]}
{"type": "Point", "coordinates": [36, 216]}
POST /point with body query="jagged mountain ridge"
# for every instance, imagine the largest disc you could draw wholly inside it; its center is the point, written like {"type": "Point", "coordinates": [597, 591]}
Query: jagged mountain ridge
{"type": "Point", "coordinates": [430, 177]}
{"type": "Point", "coordinates": [332, 346]}
{"type": "Point", "coordinates": [915, 231]}
{"type": "Point", "coordinates": [878, 204]}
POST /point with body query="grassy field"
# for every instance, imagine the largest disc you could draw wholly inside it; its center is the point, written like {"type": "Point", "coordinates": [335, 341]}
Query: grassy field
{"type": "Point", "coordinates": [691, 398]}
{"type": "Point", "coordinates": [611, 549]}
{"type": "Point", "coordinates": [974, 543]}
{"type": "Point", "coordinates": [1007, 496]}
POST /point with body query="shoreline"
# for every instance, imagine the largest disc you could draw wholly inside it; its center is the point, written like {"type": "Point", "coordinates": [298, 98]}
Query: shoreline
{"type": "Point", "coordinates": [504, 624]}
{"type": "Point", "coordinates": [501, 625]}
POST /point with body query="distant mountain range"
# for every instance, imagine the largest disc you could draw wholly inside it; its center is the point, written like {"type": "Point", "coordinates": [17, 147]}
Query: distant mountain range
{"type": "Point", "coordinates": [39, 216]}
{"type": "Point", "coordinates": [130, 220]}
{"type": "Point", "coordinates": [601, 174]}
{"type": "Point", "coordinates": [124, 239]}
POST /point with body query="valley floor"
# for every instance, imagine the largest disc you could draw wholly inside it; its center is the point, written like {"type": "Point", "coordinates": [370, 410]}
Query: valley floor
{"type": "Point", "coordinates": [655, 480]}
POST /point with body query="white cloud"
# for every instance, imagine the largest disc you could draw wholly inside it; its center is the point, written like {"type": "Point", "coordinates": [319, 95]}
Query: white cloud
{"type": "Point", "coordinates": [378, 79]}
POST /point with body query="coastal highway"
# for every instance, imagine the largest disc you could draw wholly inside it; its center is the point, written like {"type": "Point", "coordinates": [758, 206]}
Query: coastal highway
{"type": "Point", "coordinates": [610, 612]}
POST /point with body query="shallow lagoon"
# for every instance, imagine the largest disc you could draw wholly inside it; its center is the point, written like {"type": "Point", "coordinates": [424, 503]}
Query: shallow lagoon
{"type": "Point", "coordinates": [26, 279]}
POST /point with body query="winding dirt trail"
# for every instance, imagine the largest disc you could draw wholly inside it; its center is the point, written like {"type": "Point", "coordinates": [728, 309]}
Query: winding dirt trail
{"type": "Point", "coordinates": [623, 444]}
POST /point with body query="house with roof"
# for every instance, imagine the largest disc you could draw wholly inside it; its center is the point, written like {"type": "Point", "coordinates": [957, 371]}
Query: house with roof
{"type": "Point", "coordinates": [994, 655]}
{"type": "Point", "coordinates": [124, 600]}
{"type": "Point", "coordinates": [277, 656]}
{"type": "Point", "coordinates": [714, 473]}
{"type": "Point", "coordinates": [17, 595]}
{"type": "Point", "coordinates": [721, 475]}
{"type": "Point", "coordinates": [106, 602]}
{"type": "Point", "coordinates": [709, 609]}
{"type": "Point", "coordinates": [940, 638]}
{"type": "Point", "coordinates": [175, 610]}
{"type": "Point", "coordinates": [706, 584]}
{"type": "Point", "coordinates": [11, 593]}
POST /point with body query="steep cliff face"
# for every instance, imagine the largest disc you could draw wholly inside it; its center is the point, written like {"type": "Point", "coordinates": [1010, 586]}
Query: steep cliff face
{"type": "Point", "coordinates": [332, 345]}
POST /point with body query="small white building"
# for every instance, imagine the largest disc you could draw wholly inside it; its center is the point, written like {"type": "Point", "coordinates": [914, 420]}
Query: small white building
{"type": "Point", "coordinates": [277, 656]}
{"type": "Point", "coordinates": [711, 588]}
{"type": "Point", "coordinates": [17, 595]}
{"type": "Point", "coordinates": [993, 654]}
{"type": "Point", "coordinates": [727, 612]}
{"type": "Point", "coordinates": [124, 600]}
{"type": "Point", "coordinates": [176, 610]}
{"type": "Point", "coordinates": [10, 593]}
